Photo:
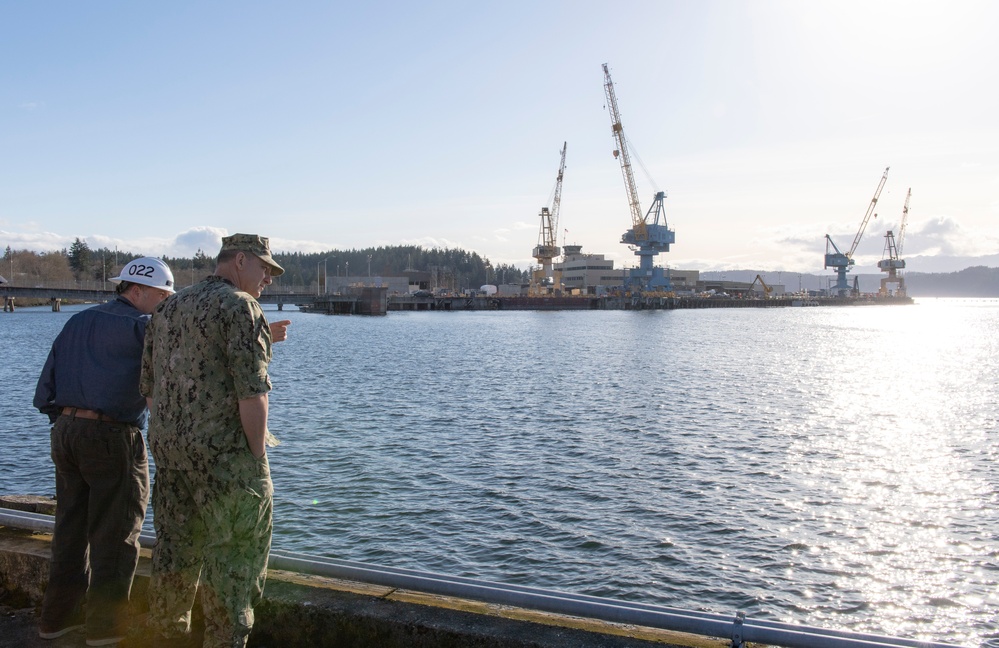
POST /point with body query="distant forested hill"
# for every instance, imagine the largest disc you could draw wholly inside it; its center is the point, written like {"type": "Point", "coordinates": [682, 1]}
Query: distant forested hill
{"type": "Point", "coordinates": [977, 281]}
{"type": "Point", "coordinates": [463, 268]}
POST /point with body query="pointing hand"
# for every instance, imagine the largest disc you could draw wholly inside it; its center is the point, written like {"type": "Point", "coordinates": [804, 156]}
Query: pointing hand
{"type": "Point", "coordinates": [279, 330]}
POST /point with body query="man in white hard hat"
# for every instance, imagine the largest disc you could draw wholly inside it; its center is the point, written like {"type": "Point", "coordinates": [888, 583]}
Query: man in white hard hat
{"type": "Point", "coordinates": [89, 388]}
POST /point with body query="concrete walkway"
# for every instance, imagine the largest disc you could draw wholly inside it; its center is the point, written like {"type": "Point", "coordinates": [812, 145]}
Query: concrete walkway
{"type": "Point", "coordinates": [310, 611]}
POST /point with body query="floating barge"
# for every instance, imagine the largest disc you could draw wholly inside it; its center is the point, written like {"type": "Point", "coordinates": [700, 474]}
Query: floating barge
{"type": "Point", "coordinates": [633, 302]}
{"type": "Point", "coordinates": [376, 301]}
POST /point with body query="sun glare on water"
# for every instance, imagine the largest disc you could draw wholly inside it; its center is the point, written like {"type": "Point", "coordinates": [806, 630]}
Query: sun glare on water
{"type": "Point", "coordinates": [887, 462]}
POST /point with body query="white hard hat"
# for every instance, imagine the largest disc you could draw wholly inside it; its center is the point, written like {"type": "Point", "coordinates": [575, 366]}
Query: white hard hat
{"type": "Point", "coordinates": [148, 272]}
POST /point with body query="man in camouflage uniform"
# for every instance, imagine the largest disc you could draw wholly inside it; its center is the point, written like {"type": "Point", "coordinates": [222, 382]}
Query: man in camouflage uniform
{"type": "Point", "coordinates": [204, 374]}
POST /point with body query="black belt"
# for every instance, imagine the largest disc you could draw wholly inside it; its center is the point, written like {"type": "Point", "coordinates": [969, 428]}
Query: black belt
{"type": "Point", "coordinates": [79, 412]}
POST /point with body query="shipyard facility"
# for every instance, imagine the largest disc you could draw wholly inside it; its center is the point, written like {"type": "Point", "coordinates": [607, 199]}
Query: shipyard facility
{"type": "Point", "coordinates": [566, 278]}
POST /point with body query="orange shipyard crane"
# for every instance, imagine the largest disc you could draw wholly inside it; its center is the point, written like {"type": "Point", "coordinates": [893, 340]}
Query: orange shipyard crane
{"type": "Point", "coordinates": [546, 279]}
{"type": "Point", "coordinates": [647, 239]}
{"type": "Point", "coordinates": [842, 262]}
{"type": "Point", "coordinates": [766, 289]}
{"type": "Point", "coordinates": [892, 261]}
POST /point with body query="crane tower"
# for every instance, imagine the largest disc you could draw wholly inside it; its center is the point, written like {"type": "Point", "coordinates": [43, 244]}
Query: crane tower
{"type": "Point", "coordinates": [843, 262]}
{"type": "Point", "coordinates": [649, 234]}
{"type": "Point", "coordinates": [545, 279]}
{"type": "Point", "coordinates": [892, 261]}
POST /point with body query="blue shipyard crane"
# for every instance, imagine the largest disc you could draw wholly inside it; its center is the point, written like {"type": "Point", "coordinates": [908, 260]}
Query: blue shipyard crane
{"type": "Point", "coordinates": [649, 234]}
{"type": "Point", "coordinates": [547, 249]}
{"type": "Point", "coordinates": [891, 261]}
{"type": "Point", "coordinates": [843, 262]}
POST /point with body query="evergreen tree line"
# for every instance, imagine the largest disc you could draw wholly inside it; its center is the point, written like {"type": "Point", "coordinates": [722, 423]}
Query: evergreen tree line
{"type": "Point", "coordinates": [81, 263]}
{"type": "Point", "coordinates": [468, 269]}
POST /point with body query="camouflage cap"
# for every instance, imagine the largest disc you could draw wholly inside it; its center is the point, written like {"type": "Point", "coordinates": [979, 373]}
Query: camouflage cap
{"type": "Point", "coordinates": [257, 245]}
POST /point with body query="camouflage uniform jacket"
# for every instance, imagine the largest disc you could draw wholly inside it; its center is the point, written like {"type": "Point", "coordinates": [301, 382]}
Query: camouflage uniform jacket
{"type": "Point", "coordinates": [206, 348]}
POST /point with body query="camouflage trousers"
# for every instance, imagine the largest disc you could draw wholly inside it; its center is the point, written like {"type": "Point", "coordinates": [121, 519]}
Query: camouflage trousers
{"type": "Point", "coordinates": [212, 528]}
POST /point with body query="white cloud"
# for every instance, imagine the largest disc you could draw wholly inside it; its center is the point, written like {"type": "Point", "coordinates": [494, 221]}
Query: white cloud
{"type": "Point", "coordinates": [946, 236]}
{"type": "Point", "coordinates": [431, 242]}
{"type": "Point", "coordinates": [296, 245]}
{"type": "Point", "coordinates": [36, 241]}
{"type": "Point", "coordinates": [206, 239]}
{"type": "Point", "coordinates": [185, 244]}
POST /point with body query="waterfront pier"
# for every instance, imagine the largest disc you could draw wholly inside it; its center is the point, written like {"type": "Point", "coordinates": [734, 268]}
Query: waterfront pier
{"type": "Point", "coordinates": [375, 300]}
{"type": "Point", "coordinates": [622, 302]}
{"type": "Point", "coordinates": [311, 601]}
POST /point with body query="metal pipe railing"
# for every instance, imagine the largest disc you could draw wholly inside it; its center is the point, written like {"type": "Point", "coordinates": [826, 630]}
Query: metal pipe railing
{"type": "Point", "coordinates": [739, 629]}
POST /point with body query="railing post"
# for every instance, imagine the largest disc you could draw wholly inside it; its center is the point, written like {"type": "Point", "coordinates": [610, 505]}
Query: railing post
{"type": "Point", "coordinates": [737, 624]}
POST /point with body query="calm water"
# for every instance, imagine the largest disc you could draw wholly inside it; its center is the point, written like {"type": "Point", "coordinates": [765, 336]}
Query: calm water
{"type": "Point", "coordinates": [828, 466]}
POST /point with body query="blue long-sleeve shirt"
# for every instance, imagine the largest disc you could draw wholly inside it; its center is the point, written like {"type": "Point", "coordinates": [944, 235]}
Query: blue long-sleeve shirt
{"type": "Point", "coordinates": [95, 363]}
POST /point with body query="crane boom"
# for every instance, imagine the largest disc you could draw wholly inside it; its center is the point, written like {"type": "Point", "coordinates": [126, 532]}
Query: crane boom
{"type": "Point", "coordinates": [557, 200]}
{"type": "Point", "coordinates": [637, 219]}
{"type": "Point", "coordinates": [905, 219]}
{"type": "Point", "coordinates": [867, 216]}
{"type": "Point", "coordinates": [766, 289]}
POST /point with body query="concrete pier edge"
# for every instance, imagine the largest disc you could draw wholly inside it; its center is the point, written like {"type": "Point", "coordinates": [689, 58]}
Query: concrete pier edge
{"type": "Point", "coordinates": [306, 610]}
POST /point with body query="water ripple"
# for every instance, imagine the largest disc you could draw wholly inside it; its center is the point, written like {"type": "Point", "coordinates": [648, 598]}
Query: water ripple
{"type": "Point", "coordinates": [825, 466]}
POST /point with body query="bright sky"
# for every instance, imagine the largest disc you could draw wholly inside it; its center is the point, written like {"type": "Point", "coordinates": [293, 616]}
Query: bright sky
{"type": "Point", "coordinates": [159, 127]}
